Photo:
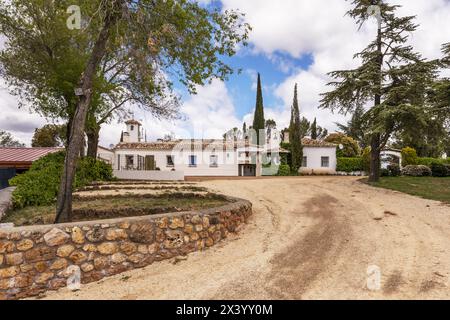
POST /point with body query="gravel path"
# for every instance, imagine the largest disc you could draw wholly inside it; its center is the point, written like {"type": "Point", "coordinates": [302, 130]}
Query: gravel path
{"type": "Point", "coordinates": [309, 238]}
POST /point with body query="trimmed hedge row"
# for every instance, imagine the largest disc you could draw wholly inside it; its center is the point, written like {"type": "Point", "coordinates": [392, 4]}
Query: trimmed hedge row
{"type": "Point", "coordinates": [430, 161]}
{"type": "Point", "coordinates": [425, 167]}
{"type": "Point", "coordinates": [349, 164]}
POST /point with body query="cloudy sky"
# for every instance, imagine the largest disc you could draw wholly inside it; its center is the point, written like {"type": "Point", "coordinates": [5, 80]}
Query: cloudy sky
{"type": "Point", "coordinates": [293, 41]}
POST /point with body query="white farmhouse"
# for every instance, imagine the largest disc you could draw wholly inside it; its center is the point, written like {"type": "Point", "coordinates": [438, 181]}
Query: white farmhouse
{"type": "Point", "coordinates": [319, 157]}
{"type": "Point", "coordinates": [136, 159]}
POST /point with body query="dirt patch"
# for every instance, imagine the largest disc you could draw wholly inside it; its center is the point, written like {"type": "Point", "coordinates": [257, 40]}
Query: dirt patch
{"type": "Point", "coordinates": [429, 285]}
{"type": "Point", "coordinates": [393, 283]}
{"type": "Point", "coordinates": [301, 263]}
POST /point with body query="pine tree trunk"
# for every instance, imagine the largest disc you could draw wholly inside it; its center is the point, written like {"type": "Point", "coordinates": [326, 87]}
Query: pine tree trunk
{"type": "Point", "coordinates": [375, 143]}
{"type": "Point", "coordinates": [375, 162]}
{"type": "Point", "coordinates": [64, 202]}
{"type": "Point", "coordinates": [92, 144]}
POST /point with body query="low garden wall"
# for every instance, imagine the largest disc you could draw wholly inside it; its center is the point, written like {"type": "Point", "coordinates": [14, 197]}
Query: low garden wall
{"type": "Point", "coordinates": [149, 175]}
{"type": "Point", "coordinates": [36, 259]}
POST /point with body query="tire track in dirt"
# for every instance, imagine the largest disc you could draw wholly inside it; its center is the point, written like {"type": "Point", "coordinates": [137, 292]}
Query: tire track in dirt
{"type": "Point", "coordinates": [296, 268]}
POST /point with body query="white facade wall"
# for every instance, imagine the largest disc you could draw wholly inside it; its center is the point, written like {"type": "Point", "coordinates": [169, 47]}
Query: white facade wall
{"type": "Point", "coordinates": [105, 155]}
{"type": "Point", "coordinates": [314, 160]}
{"type": "Point", "coordinates": [227, 161]}
{"type": "Point", "coordinates": [149, 175]}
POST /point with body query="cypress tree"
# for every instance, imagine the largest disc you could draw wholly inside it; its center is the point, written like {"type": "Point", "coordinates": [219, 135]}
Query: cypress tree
{"type": "Point", "coordinates": [314, 130]}
{"type": "Point", "coordinates": [295, 137]}
{"type": "Point", "coordinates": [258, 119]}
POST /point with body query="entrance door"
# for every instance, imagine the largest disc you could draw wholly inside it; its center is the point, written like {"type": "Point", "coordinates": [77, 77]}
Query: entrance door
{"type": "Point", "coordinates": [247, 170]}
{"type": "Point", "coordinates": [150, 164]}
{"type": "Point", "coordinates": [5, 175]}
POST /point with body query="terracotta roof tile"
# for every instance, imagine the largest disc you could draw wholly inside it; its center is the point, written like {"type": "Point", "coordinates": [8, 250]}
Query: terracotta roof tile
{"type": "Point", "coordinates": [307, 142]}
{"type": "Point", "coordinates": [182, 144]}
{"type": "Point", "coordinates": [133, 122]}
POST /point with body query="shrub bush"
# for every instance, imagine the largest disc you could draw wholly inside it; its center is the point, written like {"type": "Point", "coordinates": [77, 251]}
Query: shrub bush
{"type": "Point", "coordinates": [284, 158]}
{"type": "Point", "coordinates": [440, 170]}
{"type": "Point", "coordinates": [429, 161]}
{"type": "Point", "coordinates": [416, 171]}
{"type": "Point", "coordinates": [349, 164]}
{"type": "Point", "coordinates": [409, 157]}
{"type": "Point", "coordinates": [284, 170]}
{"type": "Point", "coordinates": [394, 170]}
{"type": "Point", "coordinates": [385, 172]}
{"type": "Point", "coordinates": [39, 186]}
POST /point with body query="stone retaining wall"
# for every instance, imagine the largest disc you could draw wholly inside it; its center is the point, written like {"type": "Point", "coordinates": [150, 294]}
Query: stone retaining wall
{"type": "Point", "coordinates": [40, 258]}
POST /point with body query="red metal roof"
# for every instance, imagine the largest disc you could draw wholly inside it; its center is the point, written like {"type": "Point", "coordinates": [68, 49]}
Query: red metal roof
{"type": "Point", "coordinates": [24, 155]}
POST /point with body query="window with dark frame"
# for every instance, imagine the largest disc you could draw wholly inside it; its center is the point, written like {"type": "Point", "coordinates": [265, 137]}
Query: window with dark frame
{"type": "Point", "coordinates": [192, 161]}
{"type": "Point", "coordinates": [305, 162]}
{"type": "Point", "coordinates": [170, 161]}
{"type": "Point", "coordinates": [129, 161]}
{"type": "Point", "coordinates": [325, 162]}
{"type": "Point", "coordinates": [213, 161]}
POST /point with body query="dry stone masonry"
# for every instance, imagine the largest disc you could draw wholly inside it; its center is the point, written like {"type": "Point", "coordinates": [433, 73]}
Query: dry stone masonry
{"type": "Point", "coordinates": [40, 258]}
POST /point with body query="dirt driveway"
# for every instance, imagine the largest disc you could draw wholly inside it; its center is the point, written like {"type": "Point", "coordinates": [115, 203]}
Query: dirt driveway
{"type": "Point", "coordinates": [309, 238]}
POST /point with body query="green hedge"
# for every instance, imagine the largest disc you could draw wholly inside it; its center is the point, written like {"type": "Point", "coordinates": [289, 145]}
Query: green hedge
{"type": "Point", "coordinates": [440, 170]}
{"type": "Point", "coordinates": [350, 164]}
{"type": "Point", "coordinates": [430, 161]}
{"type": "Point", "coordinates": [39, 186]}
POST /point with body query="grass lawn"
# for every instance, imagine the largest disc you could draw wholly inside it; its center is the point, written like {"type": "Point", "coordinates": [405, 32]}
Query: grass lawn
{"type": "Point", "coordinates": [426, 187]}
{"type": "Point", "coordinates": [114, 207]}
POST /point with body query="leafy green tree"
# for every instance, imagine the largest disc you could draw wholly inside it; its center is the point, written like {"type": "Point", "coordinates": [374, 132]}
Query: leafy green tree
{"type": "Point", "coordinates": [350, 147]}
{"type": "Point", "coordinates": [446, 52]}
{"type": "Point", "coordinates": [258, 119]}
{"type": "Point", "coordinates": [50, 135]}
{"type": "Point", "coordinates": [392, 77]}
{"type": "Point", "coordinates": [295, 137]}
{"type": "Point", "coordinates": [7, 140]}
{"type": "Point", "coordinates": [427, 137]}
{"type": "Point", "coordinates": [138, 44]}
{"type": "Point", "coordinates": [305, 127]}
{"type": "Point", "coordinates": [314, 134]}
{"type": "Point", "coordinates": [409, 156]}
{"type": "Point", "coordinates": [356, 127]}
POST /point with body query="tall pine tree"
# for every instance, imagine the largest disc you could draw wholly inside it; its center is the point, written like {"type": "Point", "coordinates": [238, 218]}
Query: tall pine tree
{"type": "Point", "coordinates": [355, 127]}
{"type": "Point", "coordinates": [392, 78]}
{"type": "Point", "coordinates": [314, 129]}
{"type": "Point", "coordinates": [295, 136]}
{"type": "Point", "coordinates": [258, 119]}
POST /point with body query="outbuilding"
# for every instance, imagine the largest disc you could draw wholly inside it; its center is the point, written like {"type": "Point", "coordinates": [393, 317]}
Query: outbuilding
{"type": "Point", "coordinates": [17, 160]}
